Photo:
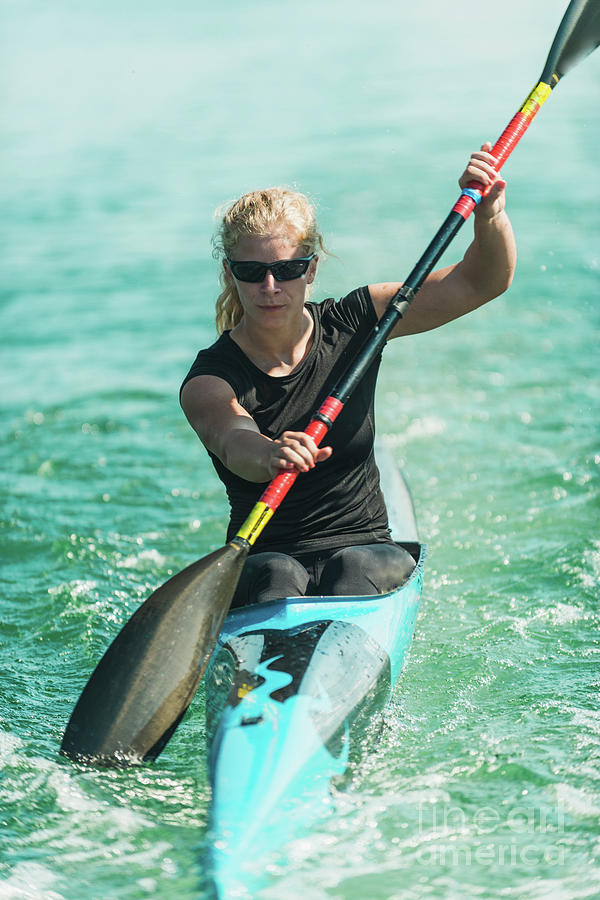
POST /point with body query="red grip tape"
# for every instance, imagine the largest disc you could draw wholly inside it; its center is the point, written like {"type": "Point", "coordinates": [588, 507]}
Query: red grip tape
{"type": "Point", "coordinates": [464, 205]}
{"type": "Point", "coordinates": [278, 488]}
{"type": "Point", "coordinates": [317, 431]}
{"type": "Point", "coordinates": [331, 407]}
{"type": "Point", "coordinates": [501, 150]}
{"type": "Point", "coordinates": [510, 137]}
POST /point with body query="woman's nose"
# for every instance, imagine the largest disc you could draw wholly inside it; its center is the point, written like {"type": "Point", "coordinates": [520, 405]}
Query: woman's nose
{"type": "Point", "coordinates": [269, 281]}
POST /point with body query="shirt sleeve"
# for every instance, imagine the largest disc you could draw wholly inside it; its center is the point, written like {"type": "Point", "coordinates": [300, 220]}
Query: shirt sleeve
{"type": "Point", "coordinates": [216, 361]}
{"type": "Point", "coordinates": [355, 311]}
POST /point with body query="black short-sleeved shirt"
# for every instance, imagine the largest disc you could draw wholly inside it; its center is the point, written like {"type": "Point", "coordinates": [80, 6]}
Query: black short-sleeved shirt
{"type": "Point", "coordinates": [339, 502]}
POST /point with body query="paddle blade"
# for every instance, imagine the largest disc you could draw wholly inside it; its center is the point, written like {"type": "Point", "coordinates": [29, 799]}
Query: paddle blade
{"type": "Point", "coordinates": [145, 681]}
{"type": "Point", "coordinates": [578, 34]}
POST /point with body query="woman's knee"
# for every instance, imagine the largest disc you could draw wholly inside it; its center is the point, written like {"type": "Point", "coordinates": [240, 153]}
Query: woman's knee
{"type": "Point", "coordinates": [366, 569]}
{"type": "Point", "coordinates": [279, 567]}
{"type": "Point", "coordinates": [270, 576]}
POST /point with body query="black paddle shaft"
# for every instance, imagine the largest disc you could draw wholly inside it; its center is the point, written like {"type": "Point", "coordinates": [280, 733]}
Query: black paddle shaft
{"type": "Point", "coordinates": [397, 307]}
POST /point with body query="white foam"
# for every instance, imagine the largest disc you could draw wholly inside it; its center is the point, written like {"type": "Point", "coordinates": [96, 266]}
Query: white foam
{"type": "Point", "coordinates": [80, 587]}
{"type": "Point", "coordinates": [9, 744]}
{"type": "Point", "coordinates": [144, 559]}
{"type": "Point", "coordinates": [29, 881]}
{"type": "Point", "coordinates": [577, 801]}
{"type": "Point", "coordinates": [425, 427]}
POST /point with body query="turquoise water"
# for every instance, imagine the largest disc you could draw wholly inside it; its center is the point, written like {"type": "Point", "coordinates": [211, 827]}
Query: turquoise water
{"type": "Point", "coordinates": [124, 126]}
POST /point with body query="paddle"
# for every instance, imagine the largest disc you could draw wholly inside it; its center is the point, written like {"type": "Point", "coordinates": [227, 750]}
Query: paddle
{"type": "Point", "coordinates": [144, 683]}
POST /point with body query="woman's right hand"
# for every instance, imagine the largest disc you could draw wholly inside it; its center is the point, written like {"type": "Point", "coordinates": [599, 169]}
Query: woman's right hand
{"type": "Point", "coordinates": [295, 451]}
{"type": "Point", "coordinates": [229, 431]}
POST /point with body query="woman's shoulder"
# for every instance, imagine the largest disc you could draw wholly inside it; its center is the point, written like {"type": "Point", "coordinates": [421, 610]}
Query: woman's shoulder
{"type": "Point", "coordinates": [221, 359]}
{"type": "Point", "coordinates": [355, 310]}
{"type": "Point", "coordinates": [223, 346]}
{"type": "Point", "coordinates": [222, 351]}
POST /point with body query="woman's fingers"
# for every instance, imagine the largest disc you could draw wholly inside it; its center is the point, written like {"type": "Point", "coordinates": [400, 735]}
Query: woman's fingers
{"type": "Point", "coordinates": [323, 454]}
{"type": "Point", "coordinates": [297, 451]}
{"type": "Point", "coordinates": [482, 168]}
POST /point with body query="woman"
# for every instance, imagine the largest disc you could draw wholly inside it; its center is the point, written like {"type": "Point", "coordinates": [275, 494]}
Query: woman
{"type": "Point", "coordinates": [251, 394]}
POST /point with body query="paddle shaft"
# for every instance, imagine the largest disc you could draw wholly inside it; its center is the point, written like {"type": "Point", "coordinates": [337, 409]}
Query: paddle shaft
{"type": "Point", "coordinates": [577, 35]}
{"type": "Point", "coordinates": [331, 407]}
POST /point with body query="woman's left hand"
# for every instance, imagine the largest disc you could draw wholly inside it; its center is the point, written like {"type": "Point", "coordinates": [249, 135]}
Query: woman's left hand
{"type": "Point", "coordinates": [481, 167]}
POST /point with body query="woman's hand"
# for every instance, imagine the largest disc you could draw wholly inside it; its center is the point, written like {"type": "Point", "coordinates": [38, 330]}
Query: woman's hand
{"type": "Point", "coordinates": [481, 168]}
{"type": "Point", "coordinates": [295, 451]}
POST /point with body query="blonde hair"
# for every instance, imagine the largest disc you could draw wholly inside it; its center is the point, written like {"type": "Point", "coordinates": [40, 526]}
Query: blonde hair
{"type": "Point", "coordinates": [260, 213]}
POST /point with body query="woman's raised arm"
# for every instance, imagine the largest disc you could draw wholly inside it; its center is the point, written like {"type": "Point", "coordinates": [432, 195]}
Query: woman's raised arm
{"type": "Point", "coordinates": [485, 271]}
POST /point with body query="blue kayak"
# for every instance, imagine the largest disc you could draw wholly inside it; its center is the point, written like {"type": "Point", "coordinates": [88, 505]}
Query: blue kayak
{"type": "Point", "coordinates": [290, 689]}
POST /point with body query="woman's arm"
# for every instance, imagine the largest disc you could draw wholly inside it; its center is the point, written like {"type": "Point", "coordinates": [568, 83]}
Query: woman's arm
{"type": "Point", "coordinates": [485, 272]}
{"type": "Point", "coordinates": [228, 431]}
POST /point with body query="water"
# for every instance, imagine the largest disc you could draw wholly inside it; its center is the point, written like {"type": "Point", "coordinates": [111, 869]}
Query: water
{"type": "Point", "coordinates": [123, 128]}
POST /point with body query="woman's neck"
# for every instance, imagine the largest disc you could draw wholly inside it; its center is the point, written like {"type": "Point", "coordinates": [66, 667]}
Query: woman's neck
{"type": "Point", "coordinates": [278, 351]}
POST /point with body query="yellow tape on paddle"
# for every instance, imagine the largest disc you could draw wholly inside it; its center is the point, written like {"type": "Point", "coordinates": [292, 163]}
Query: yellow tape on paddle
{"type": "Point", "coordinates": [537, 97]}
{"type": "Point", "coordinates": [255, 522]}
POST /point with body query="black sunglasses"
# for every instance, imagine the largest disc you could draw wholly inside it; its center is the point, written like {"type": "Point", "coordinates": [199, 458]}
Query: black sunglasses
{"type": "Point", "coordinates": [283, 269]}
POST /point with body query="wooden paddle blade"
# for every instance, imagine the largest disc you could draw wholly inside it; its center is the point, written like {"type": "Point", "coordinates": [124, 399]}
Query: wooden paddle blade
{"type": "Point", "coordinates": [578, 34]}
{"type": "Point", "coordinates": [145, 681]}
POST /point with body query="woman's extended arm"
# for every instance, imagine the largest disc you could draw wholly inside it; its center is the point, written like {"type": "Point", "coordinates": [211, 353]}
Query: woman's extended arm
{"type": "Point", "coordinates": [485, 271]}
{"type": "Point", "coordinates": [228, 431]}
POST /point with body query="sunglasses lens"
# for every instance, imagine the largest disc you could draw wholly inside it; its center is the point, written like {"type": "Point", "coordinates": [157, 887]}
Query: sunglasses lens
{"type": "Point", "coordinates": [288, 269]}
{"type": "Point", "coordinates": [249, 271]}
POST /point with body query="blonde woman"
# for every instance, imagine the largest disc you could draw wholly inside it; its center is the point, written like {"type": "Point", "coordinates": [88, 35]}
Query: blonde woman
{"type": "Point", "coordinates": [251, 394]}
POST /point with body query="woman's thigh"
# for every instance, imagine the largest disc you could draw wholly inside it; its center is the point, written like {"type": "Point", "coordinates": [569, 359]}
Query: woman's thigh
{"type": "Point", "coordinates": [366, 569]}
{"type": "Point", "coordinates": [269, 576]}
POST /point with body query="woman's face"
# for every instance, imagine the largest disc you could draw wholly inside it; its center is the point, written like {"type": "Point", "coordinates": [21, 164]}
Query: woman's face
{"type": "Point", "coordinates": [269, 303]}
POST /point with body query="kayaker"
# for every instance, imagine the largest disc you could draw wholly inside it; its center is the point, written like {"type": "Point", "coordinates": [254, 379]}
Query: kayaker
{"type": "Point", "coordinates": [250, 395]}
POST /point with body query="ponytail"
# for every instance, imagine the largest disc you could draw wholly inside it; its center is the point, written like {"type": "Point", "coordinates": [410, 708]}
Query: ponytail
{"type": "Point", "coordinates": [228, 307]}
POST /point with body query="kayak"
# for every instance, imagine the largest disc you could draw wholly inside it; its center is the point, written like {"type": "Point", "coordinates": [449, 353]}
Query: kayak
{"type": "Point", "coordinates": [290, 689]}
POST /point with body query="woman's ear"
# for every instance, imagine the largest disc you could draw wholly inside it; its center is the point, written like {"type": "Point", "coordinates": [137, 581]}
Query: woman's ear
{"type": "Point", "coordinates": [312, 270]}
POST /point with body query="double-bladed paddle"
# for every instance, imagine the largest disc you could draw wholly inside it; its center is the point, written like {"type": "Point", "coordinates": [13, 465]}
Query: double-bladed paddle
{"type": "Point", "coordinates": [145, 681]}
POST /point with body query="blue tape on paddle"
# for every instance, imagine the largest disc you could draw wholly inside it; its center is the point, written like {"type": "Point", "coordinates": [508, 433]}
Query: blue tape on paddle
{"type": "Point", "coordinates": [474, 195]}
